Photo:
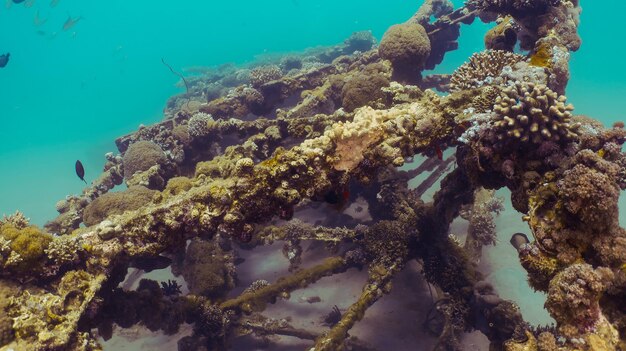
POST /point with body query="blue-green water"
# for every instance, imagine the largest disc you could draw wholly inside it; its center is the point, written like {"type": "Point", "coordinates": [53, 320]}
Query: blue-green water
{"type": "Point", "coordinates": [66, 95]}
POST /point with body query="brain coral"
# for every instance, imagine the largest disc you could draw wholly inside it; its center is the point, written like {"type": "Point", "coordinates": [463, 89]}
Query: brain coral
{"type": "Point", "coordinates": [140, 156]}
{"type": "Point", "coordinates": [116, 203]}
{"type": "Point", "coordinates": [405, 44]}
{"type": "Point", "coordinates": [533, 114]}
{"type": "Point", "coordinates": [482, 68]}
{"type": "Point", "coordinates": [365, 86]}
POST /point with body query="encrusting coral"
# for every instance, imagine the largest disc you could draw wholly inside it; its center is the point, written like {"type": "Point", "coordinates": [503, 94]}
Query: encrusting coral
{"type": "Point", "coordinates": [337, 124]}
{"type": "Point", "coordinates": [116, 203]}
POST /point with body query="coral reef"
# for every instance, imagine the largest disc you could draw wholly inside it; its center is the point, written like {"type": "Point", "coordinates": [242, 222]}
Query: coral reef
{"type": "Point", "coordinates": [140, 156]}
{"type": "Point", "coordinates": [116, 203]}
{"type": "Point", "coordinates": [482, 69]}
{"type": "Point", "coordinates": [407, 46]}
{"type": "Point", "coordinates": [215, 178]}
{"type": "Point", "coordinates": [533, 114]}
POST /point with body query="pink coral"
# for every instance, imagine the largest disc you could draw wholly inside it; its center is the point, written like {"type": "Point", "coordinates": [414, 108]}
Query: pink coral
{"type": "Point", "coordinates": [573, 297]}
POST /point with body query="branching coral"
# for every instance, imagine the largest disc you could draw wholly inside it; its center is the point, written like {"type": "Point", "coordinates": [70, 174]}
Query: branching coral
{"type": "Point", "coordinates": [533, 114]}
{"type": "Point", "coordinates": [482, 68]}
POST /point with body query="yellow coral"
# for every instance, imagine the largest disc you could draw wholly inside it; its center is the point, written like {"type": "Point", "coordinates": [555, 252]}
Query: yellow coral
{"type": "Point", "coordinates": [29, 243]}
{"type": "Point", "coordinates": [542, 56]}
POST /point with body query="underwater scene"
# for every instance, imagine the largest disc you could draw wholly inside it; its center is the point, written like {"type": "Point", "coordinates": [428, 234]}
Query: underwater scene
{"type": "Point", "coordinates": [312, 175]}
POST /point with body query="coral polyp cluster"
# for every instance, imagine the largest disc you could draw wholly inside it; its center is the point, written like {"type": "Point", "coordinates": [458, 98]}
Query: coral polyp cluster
{"type": "Point", "coordinates": [534, 114]}
{"type": "Point", "coordinates": [482, 69]}
{"type": "Point", "coordinates": [349, 149]}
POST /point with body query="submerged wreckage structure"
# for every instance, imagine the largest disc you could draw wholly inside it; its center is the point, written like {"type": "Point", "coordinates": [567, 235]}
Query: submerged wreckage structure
{"type": "Point", "coordinates": [244, 146]}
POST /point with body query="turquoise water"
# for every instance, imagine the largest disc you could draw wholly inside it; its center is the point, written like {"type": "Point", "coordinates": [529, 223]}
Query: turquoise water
{"type": "Point", "coordinates": [66, 95]}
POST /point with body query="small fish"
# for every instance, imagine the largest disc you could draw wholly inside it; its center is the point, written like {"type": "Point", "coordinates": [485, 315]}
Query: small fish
{"type": "Point", "coordinates": [71, 22]}
{"type": "Point", "coordinates": [54, 3]}
{"type": "Point", "coordinates": [80, 171]}
{"type": "Point", "coordinates": [439, 152]}
{"type": "Point", "coordinates": [38, 21]}
{"type": "Point", "coordinates": [4, 59]}
{"type": "Point", "coordinates": [310, 299]}
{"type": "Point", "coordinates": [519, 240]}
{"type": "Point", "coordinates": [18, 1]}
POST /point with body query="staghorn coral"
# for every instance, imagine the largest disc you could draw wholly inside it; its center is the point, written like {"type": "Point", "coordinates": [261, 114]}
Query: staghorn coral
{"type": "Point", "coordinates": [482, 69]}
{"type": "Point", "coordinates": [533, 114]}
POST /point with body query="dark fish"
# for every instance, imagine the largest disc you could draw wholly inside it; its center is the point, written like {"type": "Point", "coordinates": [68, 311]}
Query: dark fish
{"type": "Point", "coordinates": [4, 59]}
{"type": "Point", "coordinates": [439, 152]}
{"type": "Point", "coordinates": [518, 240]}
{"type": "Point", "coordinates": [80, 171]}
{"type": "Point", "coordinates": [18, 1]}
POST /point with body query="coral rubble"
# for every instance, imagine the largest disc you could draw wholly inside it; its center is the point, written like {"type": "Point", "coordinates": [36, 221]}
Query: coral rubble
{"type": "Point", "coordinates": [245, 147]}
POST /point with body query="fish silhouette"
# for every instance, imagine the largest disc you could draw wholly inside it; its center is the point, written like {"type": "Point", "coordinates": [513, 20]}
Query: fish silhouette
{"type": "Point", "coordinates": [80, 171]}
{"type": "Point", "coordinates": [4, 59]}
{"type": "Point", "coordinates": [38, 21]}
{"type": "Point", "coordinates": [71, 22]}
